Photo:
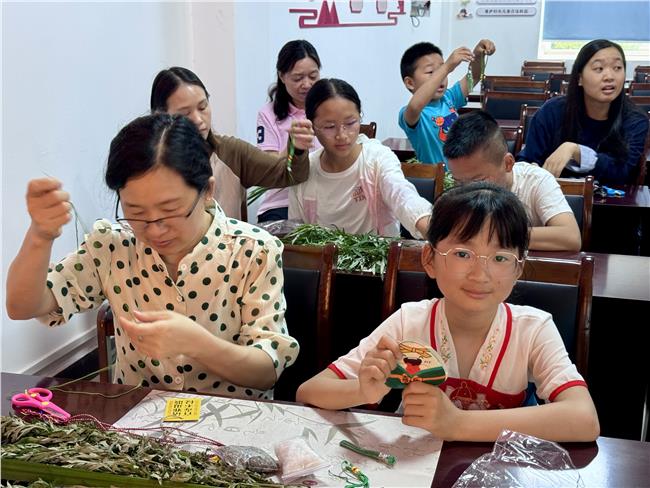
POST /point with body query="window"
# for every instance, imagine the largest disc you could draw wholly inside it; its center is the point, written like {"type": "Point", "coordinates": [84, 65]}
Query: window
{"type": "Point", "coordinates": [569, 24]}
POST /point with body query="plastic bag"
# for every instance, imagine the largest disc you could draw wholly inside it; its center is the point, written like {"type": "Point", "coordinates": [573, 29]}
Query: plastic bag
{"type": "Point", "coordinates": [280, 228]}
{"type": "Point", "coordinates": [521, 461]}
{"type": "Point", "coordinates": [298, 459]}
{"type": "Point", "coordinates": [247, 457]}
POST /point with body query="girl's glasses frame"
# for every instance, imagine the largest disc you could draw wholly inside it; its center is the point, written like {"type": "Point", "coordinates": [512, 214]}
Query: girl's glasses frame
{"type": "Point", "coordinates": [142, 223]}
{"type": "Point", "coordinates": [332, 131]}
{"type": "Point", "coordinates": [501, 264]}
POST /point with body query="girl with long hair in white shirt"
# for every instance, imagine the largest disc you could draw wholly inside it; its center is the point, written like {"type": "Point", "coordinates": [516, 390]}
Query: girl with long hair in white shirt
{"type": "Point", "coordinates": [355, 184]}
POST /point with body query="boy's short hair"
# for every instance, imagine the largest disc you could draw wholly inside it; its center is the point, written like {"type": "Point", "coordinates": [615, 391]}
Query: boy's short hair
{"type": "Point", "coordinates": [413, 54]}
{"type": "Point", "coordinates": [474, 131]}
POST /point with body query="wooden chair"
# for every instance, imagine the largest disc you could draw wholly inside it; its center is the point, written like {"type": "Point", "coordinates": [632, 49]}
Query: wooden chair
{"type": "Point", "coordinates": [507, 105]}
{"type": "Point", "coordinates": [537, 63]}
{"type": "Point", "coordinates": [579, 194]}
{"type": "Point", "coordinates": [560, 287]}
{"type": "Point", "coordinates": [489, 80]}
{"type": "Point", "coordinates": [521, 86]}
{"type": "Point", "coordinates": [308, 285]}
{"type": "Point", "coordinates": [369, 130]}
{"type": "Point", "coordinates": [639, 89]}
{"type": "Point", "coordinates": [105, 331]}
{"type": "Point", "coordinates": [557, 82]}
{"type": "Point", "coordinates": [641, 77]}
{"type": "Point", "coordinates": [644, 160]}
{"type": "Point", "coordinates": [428, 179]}
{"type": "Point", "coordinates": [514, 138]}
{"type": "Point", "coordinates": [525, 116]}
{"type": "Point", "coordinates": [642, 102]}
{"type": "Point", "coordinates": [541, 73]}
{"type": "Point", "coordinates": [244, 211]}
{"type": "Point", "coordinates": [641, 74]}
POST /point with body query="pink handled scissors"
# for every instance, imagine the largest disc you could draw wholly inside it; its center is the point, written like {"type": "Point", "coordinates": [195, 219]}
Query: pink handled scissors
{"type": "Point", "coordinates": [39, 399]}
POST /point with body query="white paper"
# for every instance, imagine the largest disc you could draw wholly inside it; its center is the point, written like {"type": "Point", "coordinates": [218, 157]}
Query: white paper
{"type": "Point", "coordinates": [263, 424]}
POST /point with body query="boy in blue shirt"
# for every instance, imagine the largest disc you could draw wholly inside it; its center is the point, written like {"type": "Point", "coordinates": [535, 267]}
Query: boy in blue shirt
{"type": "Point", "coordinates": [433, 108]}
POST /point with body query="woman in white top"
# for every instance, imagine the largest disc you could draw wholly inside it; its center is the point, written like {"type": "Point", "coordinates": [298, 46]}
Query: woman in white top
{"type": "Point", "coordinates": [298, 68]}
{"type": "Point", "coordinates": [355, 184]}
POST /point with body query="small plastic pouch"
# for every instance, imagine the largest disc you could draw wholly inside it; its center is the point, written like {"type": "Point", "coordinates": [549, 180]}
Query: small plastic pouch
{"type": "Point", "coordinates": [248, 457]}
{"type": "Point", "coordinates": [521, 461]}
{"type": "Point", "coordinates": [298, 459]}
{"type": "Point", "coordinates": [280, 228]}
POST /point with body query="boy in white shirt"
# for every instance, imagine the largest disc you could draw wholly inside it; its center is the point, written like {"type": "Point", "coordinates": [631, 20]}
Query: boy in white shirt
{"type": "Point", "coordinates": [477, 151]}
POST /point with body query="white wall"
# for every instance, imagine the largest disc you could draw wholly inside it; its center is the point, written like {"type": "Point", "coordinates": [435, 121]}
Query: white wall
{"type": "Point", "coordinates": [73, 74]}
{"type": "Point", "coordinates": [213, 58]}
{"type": "Point", "coordinates": [367, 57]}
{"type": "Point", "coordinates": [516, 38]}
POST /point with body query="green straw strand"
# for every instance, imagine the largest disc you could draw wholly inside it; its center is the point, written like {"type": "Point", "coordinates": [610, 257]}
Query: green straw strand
{"type": "Point", "coordinates": [387, 459]}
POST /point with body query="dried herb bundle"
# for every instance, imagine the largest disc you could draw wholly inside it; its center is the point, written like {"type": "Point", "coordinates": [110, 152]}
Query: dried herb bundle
{"type": "Point", "coordinates": [86, 447]}
{"type": "Point", "coordinates": [36, 484]}
{"type": "Point", "coordinates": [363, 252]}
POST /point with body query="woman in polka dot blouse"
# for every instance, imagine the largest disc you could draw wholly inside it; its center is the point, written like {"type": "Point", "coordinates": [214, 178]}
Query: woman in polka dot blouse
{"type": "Point", "coordinates": [197, 296]}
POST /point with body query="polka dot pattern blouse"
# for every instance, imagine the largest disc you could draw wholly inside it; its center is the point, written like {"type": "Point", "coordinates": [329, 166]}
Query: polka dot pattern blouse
{"type": "Point", "coordinates": [230, 284]}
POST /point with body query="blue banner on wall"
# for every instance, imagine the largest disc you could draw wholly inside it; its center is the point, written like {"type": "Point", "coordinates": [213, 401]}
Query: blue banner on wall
{"type": "Point", "coordinates": [616, 20]}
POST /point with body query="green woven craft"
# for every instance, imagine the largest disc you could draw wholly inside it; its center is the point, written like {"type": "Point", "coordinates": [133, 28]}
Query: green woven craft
{"type": "Point", "coordinates": [419, 363]}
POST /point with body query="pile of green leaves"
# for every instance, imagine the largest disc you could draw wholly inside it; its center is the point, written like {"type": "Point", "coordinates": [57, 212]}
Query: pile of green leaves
{"type": "Point", "coordinates": [448, 182]}
{"type": "Point", "coordinates": [362, 252]}
{"type": "Point", "coordinates": [83, 446]}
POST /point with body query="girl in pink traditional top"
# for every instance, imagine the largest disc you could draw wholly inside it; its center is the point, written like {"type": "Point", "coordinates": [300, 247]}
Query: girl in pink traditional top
{"type": "Point", "coordinates": [490, 350]}
{"type": "Point", "coordinates": [298, 68]}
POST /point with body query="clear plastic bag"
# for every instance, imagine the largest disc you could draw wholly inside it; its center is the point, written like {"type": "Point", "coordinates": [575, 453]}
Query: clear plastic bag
{"type": "Point", "coordinates": [521, 461]}
{"type": "Point", "coordinates": [248, 457]}
{"type": "Point", "coordinates": [298, 459]}
{"type": "Point", "coordinates": [280, 228]}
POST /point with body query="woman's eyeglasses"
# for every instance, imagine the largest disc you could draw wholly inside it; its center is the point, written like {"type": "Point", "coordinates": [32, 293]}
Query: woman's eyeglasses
{"type": "Point", "coordinates": [331, 130]}
{"type": "Point", "coordinates": [502, 264]}
{"type": "Point", "coordinates": [141, 224]}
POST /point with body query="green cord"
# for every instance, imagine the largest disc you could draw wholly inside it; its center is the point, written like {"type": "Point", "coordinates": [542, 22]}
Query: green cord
{"type": "Point", "coordinates": [353, 476]}
{"type": "Point", "coordinates": [470, 77]}
{"type": "Point", "coordinates": [291, 151]}
{"type": "Point", "coordinates": [256, 193]}
{"type": "Point", "coordinates": [484, 60]}
{"type": "Point", "coordinates": [387, 459]}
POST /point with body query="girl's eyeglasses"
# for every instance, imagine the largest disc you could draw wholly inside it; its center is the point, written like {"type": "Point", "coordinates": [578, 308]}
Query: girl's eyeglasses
{"type": "Point", "coordinates": [502, 264]}
{"type": "Point", "coordinates": [141, 224]}
{"type": "Point", "coordinates": [331, 130]}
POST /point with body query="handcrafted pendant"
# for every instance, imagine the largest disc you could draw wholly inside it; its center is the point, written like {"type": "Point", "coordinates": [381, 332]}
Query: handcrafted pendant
{"type": "Point", "coordinates": [418, 363]}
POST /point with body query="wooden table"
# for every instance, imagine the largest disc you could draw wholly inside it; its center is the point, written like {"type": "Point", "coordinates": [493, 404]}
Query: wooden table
{"type": "Point", "coordinates": [617, 276]}
{"type": "Point", "coordinates": [607, 462]}
{"type": "Point", "coordinates": [621, 225]}
{"type": "Point", "coordinates": [635, 197]}
{"type": "Point", "coordinates": [401, 146]}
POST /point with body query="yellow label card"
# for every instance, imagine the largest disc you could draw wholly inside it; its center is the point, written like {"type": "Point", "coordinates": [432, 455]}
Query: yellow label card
{"type": "Point", "coordinates": [182, 409]}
